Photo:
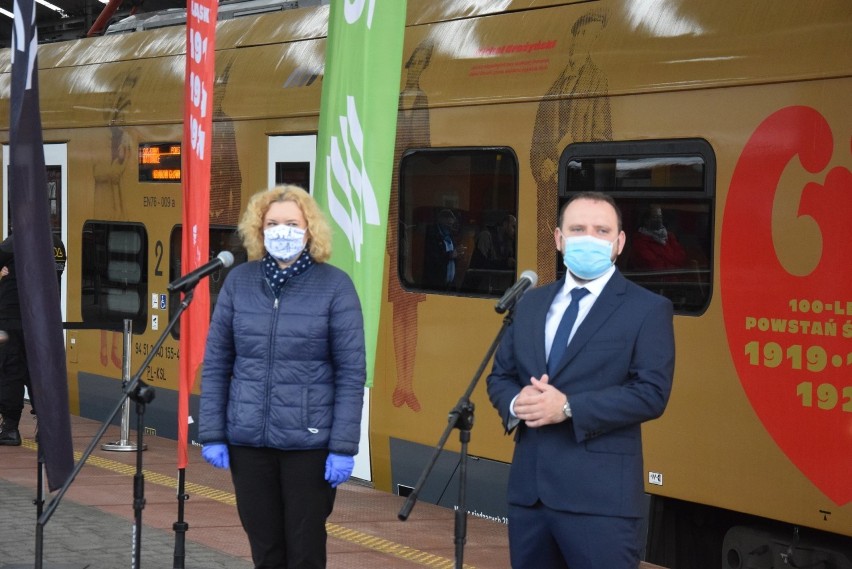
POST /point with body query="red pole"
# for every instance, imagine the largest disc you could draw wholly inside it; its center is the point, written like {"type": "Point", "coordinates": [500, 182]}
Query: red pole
{"type": "Point", "coordinates": [104, 17]}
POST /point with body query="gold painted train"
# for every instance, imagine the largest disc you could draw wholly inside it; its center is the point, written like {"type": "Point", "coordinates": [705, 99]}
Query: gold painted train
{"type": "Point", "coordinates": [721, 128]}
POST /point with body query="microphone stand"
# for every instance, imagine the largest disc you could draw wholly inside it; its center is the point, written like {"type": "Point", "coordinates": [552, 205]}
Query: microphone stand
{"type": "Point", "coordinates": [142, 394]}
{"type": "Point", "coordinates": [461, 418]}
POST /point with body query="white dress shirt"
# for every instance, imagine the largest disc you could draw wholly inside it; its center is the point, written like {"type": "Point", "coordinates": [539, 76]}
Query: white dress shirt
{"type": "Point", "coordinates": [557, 310]}
{"type": "Point", "coordinates": [563, 299]}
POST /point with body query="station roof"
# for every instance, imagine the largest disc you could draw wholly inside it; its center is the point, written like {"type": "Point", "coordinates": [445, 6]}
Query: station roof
{"type": "Point", "coordinates": [70, 19]}
{"type": "Point", "coordinates": [60, 20]}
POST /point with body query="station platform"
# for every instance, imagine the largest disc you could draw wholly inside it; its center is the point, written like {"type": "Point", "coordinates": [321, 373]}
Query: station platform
{"type": "Point", "coordinates": [92, 527]}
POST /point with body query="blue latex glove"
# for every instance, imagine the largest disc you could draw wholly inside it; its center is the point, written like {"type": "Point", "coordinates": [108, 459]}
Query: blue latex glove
{"type": "Point", "coordinates": [216, 454]}
{"type": "Point", "coordinates": [338, 468]}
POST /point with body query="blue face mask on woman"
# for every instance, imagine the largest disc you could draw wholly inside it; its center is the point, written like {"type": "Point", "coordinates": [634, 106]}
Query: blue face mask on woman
{"type": "Point", "coordinates": [284, 242]}
{"type": "Point", "coordinates": [587, 257]}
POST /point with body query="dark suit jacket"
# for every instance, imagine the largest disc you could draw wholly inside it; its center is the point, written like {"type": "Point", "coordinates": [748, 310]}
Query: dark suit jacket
{"type": "Point", "coordinates": [617, 373]}
{"type": "Point", "coordinates": [436, 258]}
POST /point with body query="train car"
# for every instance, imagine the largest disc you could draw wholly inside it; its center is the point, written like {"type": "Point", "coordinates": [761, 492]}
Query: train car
{"type": "Point", "coordinates": [721, 129]}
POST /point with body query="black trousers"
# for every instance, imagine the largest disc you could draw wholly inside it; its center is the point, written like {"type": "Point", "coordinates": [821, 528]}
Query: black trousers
{"type": "Point", "coordinates": [14, 375]}
{"type": "Point", "coordinates": [283, 501]}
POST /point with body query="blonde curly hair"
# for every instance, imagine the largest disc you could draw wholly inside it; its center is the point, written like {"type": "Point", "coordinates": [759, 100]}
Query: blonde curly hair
{"type": "Point", "coordinates": [251, 224]}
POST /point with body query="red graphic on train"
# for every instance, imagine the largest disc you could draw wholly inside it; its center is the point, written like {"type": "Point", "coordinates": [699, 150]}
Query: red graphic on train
{"type": "Point", "coordinates": [790, 329]}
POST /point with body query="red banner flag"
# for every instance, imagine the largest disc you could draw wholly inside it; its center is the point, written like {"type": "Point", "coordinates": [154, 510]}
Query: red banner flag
{"type": "Point", "coordinates": [195, 245]}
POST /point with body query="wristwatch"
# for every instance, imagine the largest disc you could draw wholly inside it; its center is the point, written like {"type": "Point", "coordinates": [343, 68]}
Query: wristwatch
{"type": "Point", "coordinates": [567, 409]}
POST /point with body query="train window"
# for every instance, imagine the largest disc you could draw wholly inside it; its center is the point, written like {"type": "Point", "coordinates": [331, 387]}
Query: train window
{"type": "Point", "coordinates": [457, 220]}
{"type": "Point", "coordinates": [222, 238]}
{"type": "Point", "coordinates": [53, 174]}
{"type": "Point", "coordinates": [296, 173]}
{"type": "Point", "coordinates": [665, 191]}
{"type": "Point", "coordinates": [54, 196]}
{"type": "Point", "coordinates": [159, 162]}
{"type": "Point", "coordinates": [114, 274]}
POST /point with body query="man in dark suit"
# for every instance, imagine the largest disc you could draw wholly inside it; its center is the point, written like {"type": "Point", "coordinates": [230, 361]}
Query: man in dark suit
{"type": "Point", "coordinates": [578, 382]}
{"type": "Point", "coordinates": [441, 251]}
{"type": "Point", "coordinates": [14, 372]}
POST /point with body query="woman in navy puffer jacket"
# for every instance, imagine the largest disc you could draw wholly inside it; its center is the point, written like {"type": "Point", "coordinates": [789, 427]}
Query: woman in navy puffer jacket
{"type": "Point", "coordinates": [282, 385]}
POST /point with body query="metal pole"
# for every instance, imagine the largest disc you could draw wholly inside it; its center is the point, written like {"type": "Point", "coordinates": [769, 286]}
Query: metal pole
{"type": "Point", "coordinates": [125, 444]}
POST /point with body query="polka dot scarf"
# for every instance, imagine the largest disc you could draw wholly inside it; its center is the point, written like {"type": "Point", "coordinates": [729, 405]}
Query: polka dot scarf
{"type": "Point", "coordinates": [276, 276]}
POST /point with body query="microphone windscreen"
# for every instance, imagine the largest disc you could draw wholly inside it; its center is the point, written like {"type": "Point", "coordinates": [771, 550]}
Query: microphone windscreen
{"type": "Point", "coordinates": [226, 257]}
{"type": "Point", "coordinates": [531, 275]}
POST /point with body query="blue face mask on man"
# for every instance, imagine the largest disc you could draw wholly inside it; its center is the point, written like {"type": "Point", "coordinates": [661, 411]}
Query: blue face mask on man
{"type": "Point", "coordinates": [587, 257]}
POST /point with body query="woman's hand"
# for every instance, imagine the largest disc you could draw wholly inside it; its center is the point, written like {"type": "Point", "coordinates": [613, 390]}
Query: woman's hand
{"type": "Point", "coordinates": [338, 468]}
{"type": "Point", "coordinates": [216, 454]}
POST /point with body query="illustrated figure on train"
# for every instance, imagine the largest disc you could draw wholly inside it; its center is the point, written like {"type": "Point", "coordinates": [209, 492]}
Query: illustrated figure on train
{"type": "Point", "coordinates": [576, 108]}
{"type": "Point", "coordinates": [107, 176]}
{"type": "Point", "coordinates": [412, 132]}
{"type": "Point", "coordinates": [226, 178]}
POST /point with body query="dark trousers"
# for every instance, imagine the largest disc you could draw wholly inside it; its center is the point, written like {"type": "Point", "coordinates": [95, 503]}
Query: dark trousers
{"type": "Point", "coordinates": [14, 376]}
{"type": "Point", "coordinates": [542, 537]}
{"type": "Point", "coordinates": [283, 501]}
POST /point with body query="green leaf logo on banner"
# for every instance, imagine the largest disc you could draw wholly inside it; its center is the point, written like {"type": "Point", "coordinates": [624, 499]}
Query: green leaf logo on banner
{"type": "Point", "coordinates": [350, 177]}
{"type": "Point", "coordinates": [355, 146]}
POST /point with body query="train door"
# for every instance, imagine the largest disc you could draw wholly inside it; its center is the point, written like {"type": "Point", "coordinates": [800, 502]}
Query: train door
{"type": "Point", "coordinates": [56, 166]}
{"type": "Point", "coordinates": [292, 160]}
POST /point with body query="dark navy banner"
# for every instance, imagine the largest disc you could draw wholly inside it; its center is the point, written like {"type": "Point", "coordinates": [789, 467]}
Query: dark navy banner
{"type": "Point", "coordinates": [41, 314]}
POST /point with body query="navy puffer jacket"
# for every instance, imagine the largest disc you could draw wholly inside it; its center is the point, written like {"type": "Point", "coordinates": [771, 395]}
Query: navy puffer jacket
{"type": "Point", "coordinates": [286, 372]}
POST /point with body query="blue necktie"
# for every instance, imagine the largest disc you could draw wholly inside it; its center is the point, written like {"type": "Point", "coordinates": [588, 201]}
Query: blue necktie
{"type": "Point", "coordinates": [560, 340]}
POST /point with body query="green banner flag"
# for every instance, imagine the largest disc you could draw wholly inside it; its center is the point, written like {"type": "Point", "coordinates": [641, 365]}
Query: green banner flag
{"type": "Point", "coordinates": [357, 132]}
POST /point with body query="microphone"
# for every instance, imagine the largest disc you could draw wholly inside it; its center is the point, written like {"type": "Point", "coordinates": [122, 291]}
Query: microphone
{"type": "Point", "coordinates": [510, 297]}
{"type": "Point", "coordinates": [188, 281]}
